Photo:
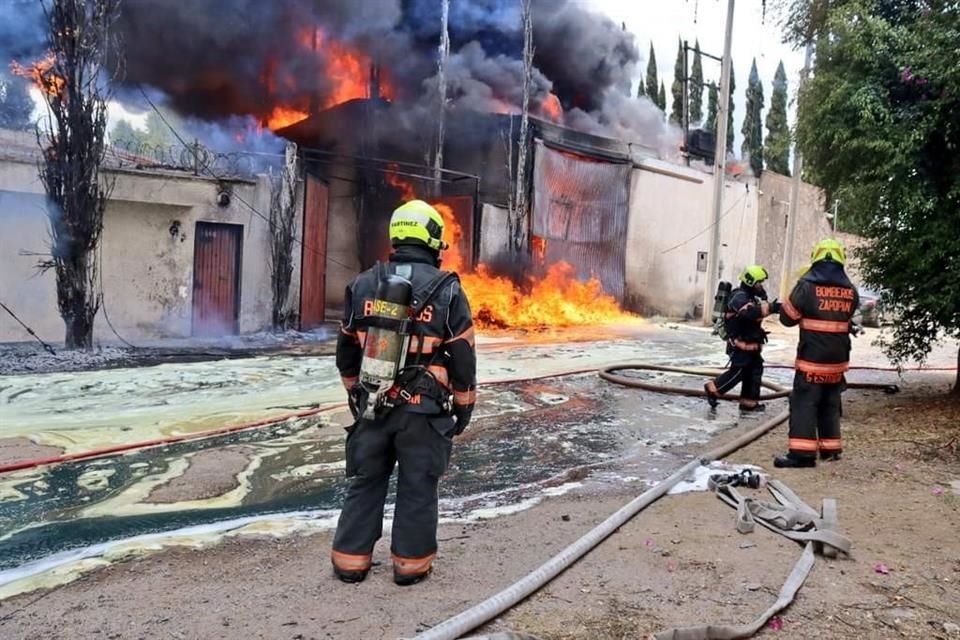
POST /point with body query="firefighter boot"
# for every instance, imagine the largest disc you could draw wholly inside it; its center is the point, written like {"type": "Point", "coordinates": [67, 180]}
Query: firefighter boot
{"type": "Point", "coordinates": [756, 407]}
{"type": "Point", "coordinates": [406, 580]}
{"type": "Point", "coordinates": [793, 461]}
{"type": "Point", "coordinates": [712, 396]}
{"type": "Point", "coordinates": [830, 456]}
{"type": "Point", "coordinates": [410, 571]}
{"type": "Point", "coordinates": [350, 577]}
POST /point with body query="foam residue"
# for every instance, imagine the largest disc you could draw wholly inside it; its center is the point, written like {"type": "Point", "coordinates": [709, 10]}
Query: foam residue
{"type": "Point", "coordinates": [67, 566]}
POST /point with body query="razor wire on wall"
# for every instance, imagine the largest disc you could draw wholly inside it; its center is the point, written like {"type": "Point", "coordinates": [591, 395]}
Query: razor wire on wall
{"type": "Point", "coordinates": [194, 158]}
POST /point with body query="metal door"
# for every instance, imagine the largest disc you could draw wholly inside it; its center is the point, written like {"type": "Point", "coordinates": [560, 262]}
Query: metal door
{"type": "Point", "coordinates": [313, 272]}
{"type": "Point", "coordinates": [217, 259]}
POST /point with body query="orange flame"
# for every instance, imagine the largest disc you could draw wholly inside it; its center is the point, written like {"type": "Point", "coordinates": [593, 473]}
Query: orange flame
{"type": "Point", "coordinates": [556, 300]}
{"type": "Point", "coordinates": [551, 108]}
{"type": "Point", "coordinates": [284, 117]}
{"type": "Point", "coordinates": [346, 69]}
{"type": "Point", "coordinates": [41, 74]}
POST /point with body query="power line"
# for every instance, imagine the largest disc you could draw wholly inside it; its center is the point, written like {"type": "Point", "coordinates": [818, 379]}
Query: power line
{"type": "Point", "coordinates": [46, 346]}
{"type": "Point", "coordinates": [725, 214]}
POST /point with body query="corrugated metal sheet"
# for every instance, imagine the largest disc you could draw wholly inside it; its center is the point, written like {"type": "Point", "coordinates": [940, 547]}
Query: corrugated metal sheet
{"type": "Point", "coordinates": [580, 207]}
{"type": "Point", "coordinates": [216, 279]}
{"type": "Point", "coordinates": [313, 273]}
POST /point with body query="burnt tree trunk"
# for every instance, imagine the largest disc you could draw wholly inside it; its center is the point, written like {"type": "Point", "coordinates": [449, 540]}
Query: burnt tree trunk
{"type": "Point", "coordinates": [74, 85]}
{"type": "Point", "coordinates": [444, 55]}
{"type": "Point", "coordinates": [283, 199]}
{"type": "Point", "coordinates": [519, 215]}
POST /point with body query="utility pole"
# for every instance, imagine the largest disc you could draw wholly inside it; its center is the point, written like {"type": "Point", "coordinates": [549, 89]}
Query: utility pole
{"type": "Point", "coordinates": [836, 216]}
{"type": "Point", "coordinates": [785, 278]}
{"type": "Point", "coordinates": [686, 104]}
{"type": "Point", "coordinates": [719, 169]}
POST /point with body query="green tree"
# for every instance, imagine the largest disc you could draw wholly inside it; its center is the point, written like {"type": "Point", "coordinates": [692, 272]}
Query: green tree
{"type": "Point", "coordinates": [157, 134]}
{"type": "Point", "coordinates": [676, 89]}
{"type": "Point", "coordinates": [653, 84]}
{"type": "Point", "coordinates": [777, 146]}
{"type": "Point", "coordinates": [878, 130]}
{"type": "Point", "coordinates": [641, 89]}
{"type": "Point", "coordinates": [16, 105]}
{"type": "Point", "coordinates": [696, 87]}
{"type": "Point", "coordinates": [662, 98]}
{"type": "Point", "coordinates": [713, 107]}
{"type": "Point", "coordinates": [730, 132]}
{"type": "Point", "coordinates": [752, 129]}
{"type": "Point", "coordinates": [123, 134]}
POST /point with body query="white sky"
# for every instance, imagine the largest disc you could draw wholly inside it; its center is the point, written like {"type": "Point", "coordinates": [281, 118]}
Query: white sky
{"type": "Point", "coordinates": [663, 21]}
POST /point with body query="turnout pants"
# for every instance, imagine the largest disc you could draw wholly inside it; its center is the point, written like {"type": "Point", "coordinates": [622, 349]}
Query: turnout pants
{"type": "Point", "coordinates": [814, 417]}
{"type": "Point", "coordinates": [746, 369]}
{"type": "Point", "coordinates": [420, 446]}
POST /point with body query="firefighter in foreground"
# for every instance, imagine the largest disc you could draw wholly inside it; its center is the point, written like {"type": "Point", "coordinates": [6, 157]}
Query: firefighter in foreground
{"type": "Point", "coordinates": [407, 359]}
{"type": "Point", "coordinates": [743, 314]}
{"type": "Point", "coordinates": [823, 303]}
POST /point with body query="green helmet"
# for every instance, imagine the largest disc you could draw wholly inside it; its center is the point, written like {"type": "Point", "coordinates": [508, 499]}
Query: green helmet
{"type": "Point", "coordinates": [828, 249]}
{"type": "Point", "coordinates": [416, 221]}
{"type": "Point", "coordinates": [753, 275]}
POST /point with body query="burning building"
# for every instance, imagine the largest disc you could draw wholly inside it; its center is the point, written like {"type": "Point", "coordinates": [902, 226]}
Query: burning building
{"type": "Point", "coordinates": [613, 222]}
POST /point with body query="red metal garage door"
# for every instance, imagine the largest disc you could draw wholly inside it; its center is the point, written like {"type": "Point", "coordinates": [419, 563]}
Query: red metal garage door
{"type": "Point", "coordinates": [217, 259]}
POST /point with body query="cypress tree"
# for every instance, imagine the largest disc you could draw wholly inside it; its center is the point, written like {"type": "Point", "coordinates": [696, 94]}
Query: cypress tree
{"type": "Point", "coordinates": [730, 134]}
{"type": "Point", "coordinates": [662, 99]}
{"type": "Point", "coordinates": [696, 87]}
{"type": "Point", "coordinates": [777, 147]}
{"type": "Point", "coordinates": [676, 108]}
{"type": "Point", "coordinates": [752, 129]}
{"type": "Point", "coordinates": [653, 84]}
{"type": "Point", "coordinates": [713, 107]}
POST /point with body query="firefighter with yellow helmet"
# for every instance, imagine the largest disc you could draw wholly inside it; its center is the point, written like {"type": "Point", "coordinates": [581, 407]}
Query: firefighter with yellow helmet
{"type": "Point", "coordinates": [823, 303]}
{"type": "Point", "coordinates": [407, 359]}
{"type": "Point", "coordinates": [741, 317]}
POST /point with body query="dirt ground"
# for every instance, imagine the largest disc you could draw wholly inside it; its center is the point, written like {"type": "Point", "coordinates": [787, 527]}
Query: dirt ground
{"type": "Point", "coordinates": [679, 562]}
{"type": "Point", "coordinates": [19, 449]}
{"type": "Point", "coordinates": [211, 473]}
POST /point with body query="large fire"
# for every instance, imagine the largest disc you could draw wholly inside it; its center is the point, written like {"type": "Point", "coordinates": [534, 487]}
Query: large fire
{"type": "Point", "coordinates": [346, 69]}
{"type": "Point", "coordinates": [558, 299]}
{"type": "Point", "coordinates": [41, 74]}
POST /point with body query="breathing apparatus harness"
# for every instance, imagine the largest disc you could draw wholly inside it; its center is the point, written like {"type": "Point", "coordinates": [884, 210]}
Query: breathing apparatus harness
{"type": "Point", "coordinates": [386, 381]}
{"type": "Point", "coordinates": [719, 316]}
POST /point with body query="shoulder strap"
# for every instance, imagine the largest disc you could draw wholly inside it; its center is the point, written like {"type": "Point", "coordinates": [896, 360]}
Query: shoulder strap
{"type": "Point", "coordinates": [438, 282]}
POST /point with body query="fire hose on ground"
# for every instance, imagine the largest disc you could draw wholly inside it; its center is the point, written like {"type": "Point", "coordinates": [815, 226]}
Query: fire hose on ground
{"type": "Point", "coordinates": [607, 373]}
{"type": "Point", "coordinates": [476, 616]}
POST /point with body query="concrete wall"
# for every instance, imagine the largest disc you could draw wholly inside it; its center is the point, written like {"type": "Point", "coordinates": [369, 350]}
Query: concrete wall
{"type": "Point", "coordinates": [812, 226]}
{"type": "Point", "coordinates": [147, 253]}
{"type": "Point", "coordinates": [670, 220]}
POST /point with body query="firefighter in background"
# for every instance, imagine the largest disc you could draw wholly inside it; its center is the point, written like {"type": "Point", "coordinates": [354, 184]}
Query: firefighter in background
{"type": "Point", "coordinates": [427, 398]}
{"type": "Point", "coordinates": [745, 310]}
{"type": "Point", "coordinates": [823, 303]}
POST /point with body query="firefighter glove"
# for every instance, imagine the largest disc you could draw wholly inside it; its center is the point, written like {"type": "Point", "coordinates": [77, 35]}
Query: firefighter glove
{"type": "Point", "coordinates": [463, 418]}
{"type": "Point", "coordinates": [355, 400]}
{"type": "Point", "coordinates": [776, 306]}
